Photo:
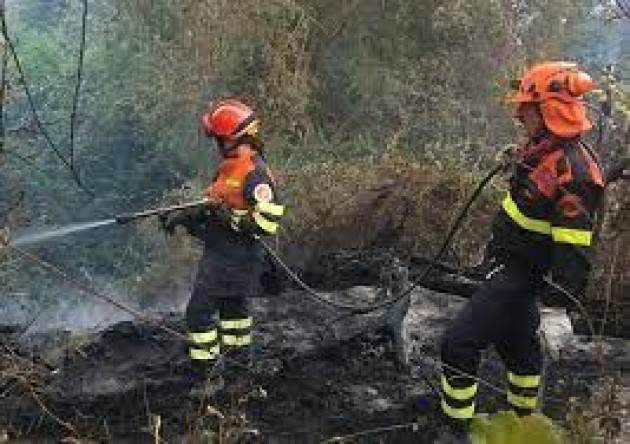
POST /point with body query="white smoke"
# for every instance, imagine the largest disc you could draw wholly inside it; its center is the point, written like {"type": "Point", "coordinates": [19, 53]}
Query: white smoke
{"type": "Point", "coordinates": [78, 311]}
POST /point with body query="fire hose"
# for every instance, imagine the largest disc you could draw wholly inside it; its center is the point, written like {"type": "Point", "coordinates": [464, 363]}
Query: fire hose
{"type": "Point", "coordinates": [364, 309]}
{"type": "Point", "coordinates": [131, 217]}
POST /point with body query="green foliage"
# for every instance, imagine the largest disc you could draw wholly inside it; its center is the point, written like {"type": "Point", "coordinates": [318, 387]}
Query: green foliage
{"type": "Point", "coordinates": [333, 81]}
{"type": "Point", "coordinates": [507, 427]}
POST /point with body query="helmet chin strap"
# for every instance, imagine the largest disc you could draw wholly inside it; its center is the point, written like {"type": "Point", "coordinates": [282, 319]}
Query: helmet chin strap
{"type": "Point", "coordinates": [226, 148]}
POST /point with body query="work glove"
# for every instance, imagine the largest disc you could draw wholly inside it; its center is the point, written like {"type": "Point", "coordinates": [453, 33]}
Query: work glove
{"type": "Point", "coordinates": [246, 225]}
{"type": "Point", "coordinates": [570, 271]}
{"type": "Point", "coordinates": [170, 221]}
{"type": "Point", "coordinates": [193, 219]}
{"type": "Point", "coordinates": [220, 213]}
{"type": "Point", "coordinates": [506, 156]}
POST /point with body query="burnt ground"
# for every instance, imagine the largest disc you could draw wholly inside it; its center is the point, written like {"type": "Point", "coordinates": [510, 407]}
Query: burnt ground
{"type": "Point", "coordinates": [323, 376]}
{"type": "Point", "coordinates": [317, 385]}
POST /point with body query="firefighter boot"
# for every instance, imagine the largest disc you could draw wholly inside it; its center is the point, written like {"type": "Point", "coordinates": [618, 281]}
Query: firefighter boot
{"type": "Point", "coordinates": [206, 381]}
{"type": "Point", "coordinates": [236, 339]}
{"type": "Point", "coordinates": [238, 367]}
{"type": "Point", "coordinates": [205, 366]}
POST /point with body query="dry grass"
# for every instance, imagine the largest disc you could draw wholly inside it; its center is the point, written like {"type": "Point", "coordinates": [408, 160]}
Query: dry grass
{"type": "Point", "coordinates": [226, 424]}
{"type": "Point", "coordinates": [394, 201]}
{"type": "Point", "coordinates": [24, 377]}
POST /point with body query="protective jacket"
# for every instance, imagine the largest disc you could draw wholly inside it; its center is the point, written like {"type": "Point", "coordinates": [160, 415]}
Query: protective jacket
{"type": "Point", "coordinates": [245, 187]}
{"type": "Point", "coordinates": [233, 261]}
{"type": "Point", "coordinates": [547, 218]}
{"type": "Point", "coordinates": [545, 223]}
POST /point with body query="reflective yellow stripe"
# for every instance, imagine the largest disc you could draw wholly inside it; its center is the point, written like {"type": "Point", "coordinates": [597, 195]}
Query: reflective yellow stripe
{"type": "Point", "coordinates": [270, 208]}
{"type": "Point", "coordinates": [232, 324]}
{"type": "Point", "coordinates": [536, 225]}
{"type": "Point", "coordinates": [238, 212]}
{"type": "Point", "coordinates": [203, 337]}
{"type": "Point", "coordinates": [463, 413]}
{"type": "Point", "coordinates": [583, 238]}
{"type": "Point", "coordinates": [230, 181]}
{"type": "Point", "coordinates": [236, 340]}
{"type": "Point", "coordinates": [524, 402]}
{"type": "Point", "coordinates": [199, 354]}
{"type": "Point", "coordinates": [529, 381]}
{"type": "Point", "coordinates": [268, 226]}
{"type": "Point", "coordinates": [461, 394]}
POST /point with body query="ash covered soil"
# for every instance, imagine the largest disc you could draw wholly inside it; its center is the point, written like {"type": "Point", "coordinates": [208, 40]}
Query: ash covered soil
{"type": "Point", "coordinates": [316, 376]}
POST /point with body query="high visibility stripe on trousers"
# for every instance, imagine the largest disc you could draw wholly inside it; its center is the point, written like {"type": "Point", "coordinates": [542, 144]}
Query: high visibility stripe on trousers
{"type": "Point", "coordinates": [523, 391]}
{"type": "Point", "coordinates": [458, 397]}
{"type": "Point", "coordinates": [236, 332]}
{"type": "Point", "coordinates": [204, 345]}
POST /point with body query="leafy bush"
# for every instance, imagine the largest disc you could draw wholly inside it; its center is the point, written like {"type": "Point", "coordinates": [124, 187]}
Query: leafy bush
{"type": "Point", "coordinates": [507, 427]}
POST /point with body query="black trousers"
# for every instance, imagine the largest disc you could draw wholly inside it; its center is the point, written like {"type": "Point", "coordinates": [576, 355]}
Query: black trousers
{"type": "Point", "coordinates": [218, 313]}
{"type": "Point", "coordinates": [504, 313]}
{"type": "Point", "coordinates": [221, 288]}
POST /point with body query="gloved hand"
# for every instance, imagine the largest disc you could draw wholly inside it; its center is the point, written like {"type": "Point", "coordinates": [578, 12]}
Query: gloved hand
{"type": "Point", "coordinates": [193, 219]}
{"type": "Point", "coordinates": [221, 213]}
{"type": "Point", "coordinates": [170, 221]}
{"type": "Point", "coordinates": [506, 155]}
{"type": "Point", "coordinates": [247, 225]}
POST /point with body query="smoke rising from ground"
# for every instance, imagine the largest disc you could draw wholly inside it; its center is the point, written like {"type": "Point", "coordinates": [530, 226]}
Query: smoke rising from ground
{"type": "Point", "coordinates": [77, 312]}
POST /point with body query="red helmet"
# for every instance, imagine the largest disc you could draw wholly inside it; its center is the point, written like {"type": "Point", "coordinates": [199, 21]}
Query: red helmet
{"type": "Point", "coordinates": [229, 119]}
{"type": "Point", "coordinates": [558, 87]}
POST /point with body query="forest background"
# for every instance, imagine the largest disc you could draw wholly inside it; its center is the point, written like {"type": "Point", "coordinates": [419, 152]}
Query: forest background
{"type": "Point", "coordinates": [353, 94]}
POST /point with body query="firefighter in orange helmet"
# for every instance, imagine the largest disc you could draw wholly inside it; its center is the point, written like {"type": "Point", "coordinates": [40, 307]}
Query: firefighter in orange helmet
{"type": "Point", "coordinates": [544, 226]}
{"type": "Point", "coordinates": [243, 204]}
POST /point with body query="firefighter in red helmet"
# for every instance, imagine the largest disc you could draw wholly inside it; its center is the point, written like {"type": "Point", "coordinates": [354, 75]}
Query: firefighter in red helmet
{"type": "Point", "coordinates": [544, 227]}
{"type": "Point", "coordinates": [243, 204]}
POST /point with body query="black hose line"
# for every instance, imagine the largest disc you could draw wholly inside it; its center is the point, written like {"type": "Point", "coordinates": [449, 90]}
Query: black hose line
{"type": "Point", "coordinates": [365, 309]}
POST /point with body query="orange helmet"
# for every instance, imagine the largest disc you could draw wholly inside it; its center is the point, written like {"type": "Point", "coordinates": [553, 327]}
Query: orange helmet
{"type": "Point", "coordinates": [229, 119]}
{"type": "Point", "coordinates": [557, 87]}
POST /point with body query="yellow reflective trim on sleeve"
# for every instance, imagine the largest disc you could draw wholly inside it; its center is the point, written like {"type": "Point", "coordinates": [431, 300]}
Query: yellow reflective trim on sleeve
{"type": "Point", "coordinates": [203, 337]}
{"type": "Point", "coordinates": [462, 413]}
{"type": "Point", "coordinates": [236, 341]}
{"type": "Point", "coordinates": [535, 225]}
{"type": "Point", "coordinates": [460, 394]}
{"type": "Point", "coordinates": [199, 354]}
{"type": "Point", "coordinates": [572, 236]}
{"type": "Point", "coordinates": [528, 381]}
{"type": "Point", "coordinates": [266, 225]}
{"type": "Point", "coordinates": [270, 208]}
{"type": "Point", "coordinates": [235, 324]}
{"type": "Point", "coordinates": [524, 402]}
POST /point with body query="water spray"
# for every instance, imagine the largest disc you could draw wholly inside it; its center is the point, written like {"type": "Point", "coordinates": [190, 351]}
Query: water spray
{"type": "Point", "coordinates": [122, 219]}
